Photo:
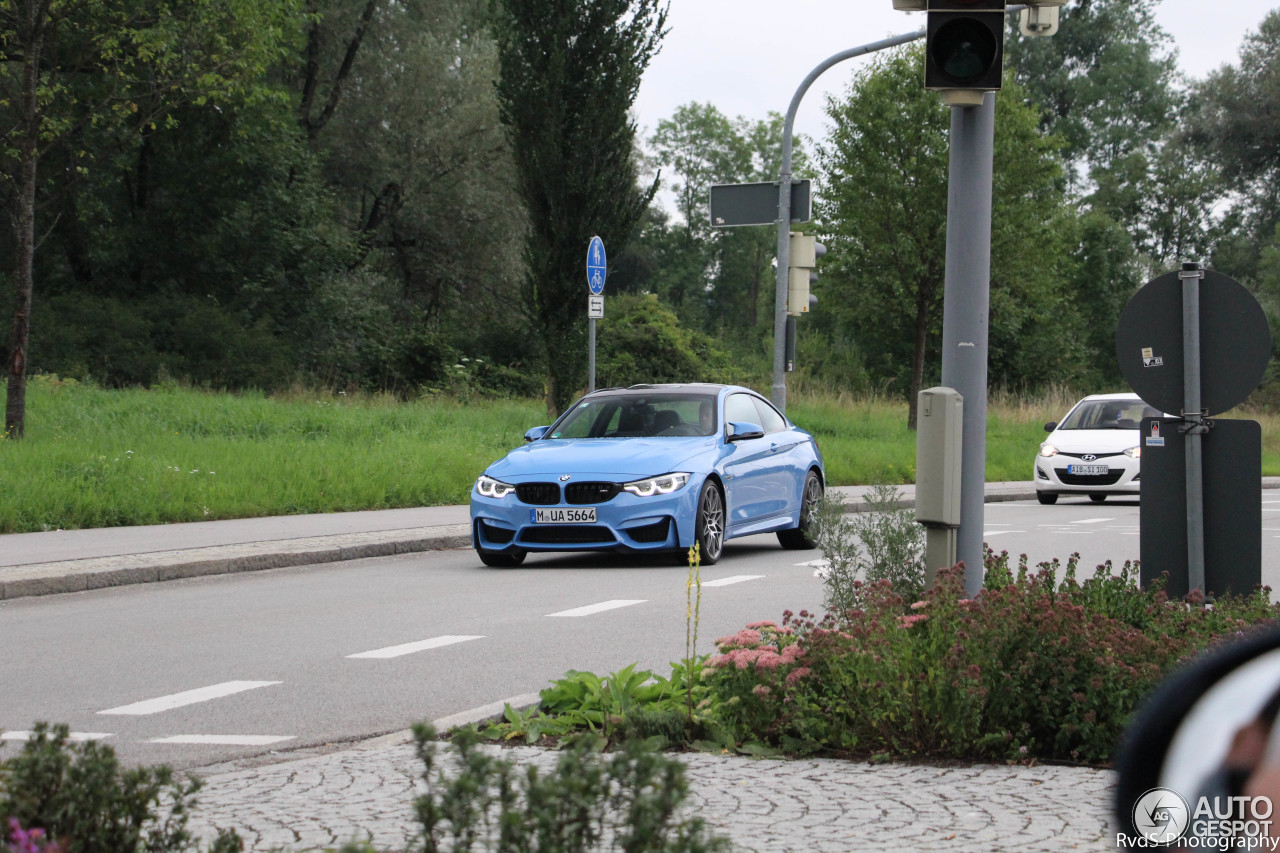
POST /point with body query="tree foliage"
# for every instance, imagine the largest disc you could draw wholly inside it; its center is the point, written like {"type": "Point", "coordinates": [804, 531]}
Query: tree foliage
{"type": "Point", "coordinates": [569, 71]}
{"type": "Point", "coordinates": [883, 213]}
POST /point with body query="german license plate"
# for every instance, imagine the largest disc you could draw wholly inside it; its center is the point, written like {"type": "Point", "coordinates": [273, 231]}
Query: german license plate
{"type": "Point", "coordinates": [1087, 470]}
{"type": "Point", "coordinates": [563, 515]}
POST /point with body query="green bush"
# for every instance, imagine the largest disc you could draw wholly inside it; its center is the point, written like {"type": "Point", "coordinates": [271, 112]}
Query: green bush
{"type": "Point", "coordinates": [627, 799]}
{"type": "Point", "coordinates": [1030, 669]}
{"type": "Point", "coordinates": [83, 800]}
{"type": "Point", "coordinates": [882, 543]}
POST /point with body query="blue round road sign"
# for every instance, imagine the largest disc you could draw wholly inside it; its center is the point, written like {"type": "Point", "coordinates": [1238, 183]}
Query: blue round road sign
{"type": "Point", "coordinates": [596, 262]}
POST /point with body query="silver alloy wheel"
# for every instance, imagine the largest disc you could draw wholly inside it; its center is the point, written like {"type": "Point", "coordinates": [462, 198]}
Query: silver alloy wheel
{"type": "Point", "coordinates": [812, 494]}
{"type": "Point", "coordinates": [710, 523]}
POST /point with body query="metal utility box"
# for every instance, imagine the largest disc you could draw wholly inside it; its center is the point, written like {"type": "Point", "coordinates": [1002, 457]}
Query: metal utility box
{"type": "Point", "coordinates": [939, 434]}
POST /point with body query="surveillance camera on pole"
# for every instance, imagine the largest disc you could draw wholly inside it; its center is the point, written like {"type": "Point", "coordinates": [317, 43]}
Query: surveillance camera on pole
{"type": "Point", "coordinates": [1040, 18]}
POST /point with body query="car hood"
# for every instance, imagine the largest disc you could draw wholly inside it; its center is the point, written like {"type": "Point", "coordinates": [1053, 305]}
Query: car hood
{"type": "Point", "coordinates": [610, 458]}
{"type": "Point", "coordinates": [1094, 440]}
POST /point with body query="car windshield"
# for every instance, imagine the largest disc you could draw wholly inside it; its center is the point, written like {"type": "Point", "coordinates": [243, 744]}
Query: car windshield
{"type": "Point", "coordinates": [632, 415]}
{"type": "Point", "coordinates": [1108, 414]}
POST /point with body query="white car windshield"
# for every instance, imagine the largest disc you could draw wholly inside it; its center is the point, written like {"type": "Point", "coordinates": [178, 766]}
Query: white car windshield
{"type": "Point", "coordinates": [632, 415]}
{"type": "Point", "coordinates": [1108, 414]}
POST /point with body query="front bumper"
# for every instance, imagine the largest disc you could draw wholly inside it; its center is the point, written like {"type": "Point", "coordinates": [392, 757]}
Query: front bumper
{"type": "Point", "coordinates": [627, 522]}
{"type": "Point", "coordinates": [1123, 476]}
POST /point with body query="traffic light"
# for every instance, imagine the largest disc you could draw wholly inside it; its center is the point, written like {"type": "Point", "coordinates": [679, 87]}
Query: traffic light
{"type": "Point", "coordinates": [964, 49]}
{"type": "Point", "coordinates": [804, 254]}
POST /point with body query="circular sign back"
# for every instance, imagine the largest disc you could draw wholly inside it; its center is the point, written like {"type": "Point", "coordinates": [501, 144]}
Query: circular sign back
{"type": "Point", "coordinates": [1235, 343]}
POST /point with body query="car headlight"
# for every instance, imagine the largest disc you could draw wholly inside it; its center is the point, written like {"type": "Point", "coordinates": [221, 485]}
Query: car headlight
{"type": "Point", "coordinates": [663, 485]}
{"type": "Point", "coordinates": [1134, 452]}
{"type": "Point", "coordinates": [1048, 450]}
{"type": "Point", "coordinates": [491, 488]}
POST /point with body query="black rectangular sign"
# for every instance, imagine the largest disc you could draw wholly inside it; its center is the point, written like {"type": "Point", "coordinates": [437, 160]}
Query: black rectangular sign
{"type": "Point", "coordinates": [1232, 476]}
{"type": "Point", "coordinates": [755, 204]}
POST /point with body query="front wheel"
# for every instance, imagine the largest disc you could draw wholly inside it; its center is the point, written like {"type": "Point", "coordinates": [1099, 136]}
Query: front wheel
{"type": "Point", "coordinates": [1097, 498]}
{"type": "Point", "coordinates": [1046, 498]}
{"type": "Point", "coordinates": [804, 536]}
{"type": "Point", "coordinates": [501, 559]}
{"type": "Point", "coordinates": [708, 525]}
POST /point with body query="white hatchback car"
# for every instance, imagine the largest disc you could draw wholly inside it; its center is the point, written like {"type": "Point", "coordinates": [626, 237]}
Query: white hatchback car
{"type": "Point", "coordinates": [1095, 450]}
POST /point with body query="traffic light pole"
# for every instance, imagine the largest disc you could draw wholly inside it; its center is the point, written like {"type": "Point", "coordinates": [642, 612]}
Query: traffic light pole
{"type": "Point", "coordinates": [966, 301]}
{"type": "Point", "coordinates": [779, 395]}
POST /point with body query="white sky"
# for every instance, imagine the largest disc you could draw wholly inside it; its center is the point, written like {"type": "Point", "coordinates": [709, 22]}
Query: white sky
{"type": "Point", "coordinates": [747, 57]}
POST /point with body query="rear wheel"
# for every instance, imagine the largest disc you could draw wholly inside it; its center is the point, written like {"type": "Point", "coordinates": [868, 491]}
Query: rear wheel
{"type": "Point", "coordinates": [1097, 498]}
{"type": "Point", "coordinates": [709, 524]}
{"type": "Point", "coordinates": [1046, 498]}
{"type": "Point", "coordinates": [501, 559]}
{"type": "Point", "coordinates": [804, 535]}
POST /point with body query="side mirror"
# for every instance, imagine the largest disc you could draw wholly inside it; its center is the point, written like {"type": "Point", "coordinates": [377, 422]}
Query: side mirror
{"type": "Point", "coordinates": [1050, 426]}
{"type": "Point", "coordinates": [536, 433]}
{"type": "Point", "coordinates": [742, 431]}
{"type": "Point", "coordinates": [1207, 738]}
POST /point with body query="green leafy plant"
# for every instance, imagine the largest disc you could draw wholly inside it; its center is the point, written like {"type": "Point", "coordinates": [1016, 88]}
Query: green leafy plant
{"type": "Point", "coordinates": [882, 543]}
{"type": "Point", "coordinates": [81, 797]}
{"type": "Point", "coordinates": [628, 799]}
{"type": "Point", "coordinates": [1034, 668]}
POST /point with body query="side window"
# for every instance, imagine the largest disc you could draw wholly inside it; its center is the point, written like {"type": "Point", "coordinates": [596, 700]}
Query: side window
{"type": "Point", "coordinates": [741, 408]}
{"type": "Point", "coordinates": [769, 417]}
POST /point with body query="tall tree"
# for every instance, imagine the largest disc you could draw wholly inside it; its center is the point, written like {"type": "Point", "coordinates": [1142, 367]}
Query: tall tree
{"type": "Point", "coordinates": [726, 275]}
{"type": "Point", "coordinates": [569, 74]}
{"type": "Point", "coordinates": [113, 67]}
{"type": "Point", "coordinates": [1235, 122]}
{"type": "Point", "coordinates": [883, 212]}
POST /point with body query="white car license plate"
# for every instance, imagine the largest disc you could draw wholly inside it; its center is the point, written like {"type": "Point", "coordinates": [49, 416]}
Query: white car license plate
{"type": "Point", "coordinates": [563, 515]}
{"type": "Point", "coordinates": [1087, 470]}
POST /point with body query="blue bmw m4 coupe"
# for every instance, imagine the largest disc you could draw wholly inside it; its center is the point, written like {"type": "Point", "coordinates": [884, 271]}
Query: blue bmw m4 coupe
{"type": "Point", "coordinates": [651, 468]}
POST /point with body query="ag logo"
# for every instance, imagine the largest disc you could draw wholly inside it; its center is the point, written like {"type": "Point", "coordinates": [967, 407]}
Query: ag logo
{"type": "Point", "coordinates": [1161, 816]}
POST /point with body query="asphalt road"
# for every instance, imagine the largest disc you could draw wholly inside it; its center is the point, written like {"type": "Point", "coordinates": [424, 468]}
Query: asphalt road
{"type": "Point", "coordinates": [209, 669]}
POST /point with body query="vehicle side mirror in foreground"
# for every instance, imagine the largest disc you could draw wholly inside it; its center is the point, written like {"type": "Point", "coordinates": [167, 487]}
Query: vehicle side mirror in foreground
{"type": "Point", "coordinates": [536, 433]}
{"type": "Point", "coordinates": [741, 431]}
{"type": "Point", "coordinates": [1050, 426]}
{"type": "Point", "coordinates": [1200, 761]}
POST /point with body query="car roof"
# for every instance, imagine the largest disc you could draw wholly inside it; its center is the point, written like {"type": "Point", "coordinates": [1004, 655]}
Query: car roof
{"type": "Point", "coordinates": [1121, 396]}
{"type": "Point", "coordinates": [670, 387]}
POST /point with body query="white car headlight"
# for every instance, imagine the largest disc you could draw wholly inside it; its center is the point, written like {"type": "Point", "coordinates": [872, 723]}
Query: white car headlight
{"type": "Point", "coordinates": [663, 485]}
{"type": "Point", "coordinates": [1134, 452]}
{"type": "Point", "coordinates": [491, 488]}
{"type": "Point", "coordinates": [1048, 450]}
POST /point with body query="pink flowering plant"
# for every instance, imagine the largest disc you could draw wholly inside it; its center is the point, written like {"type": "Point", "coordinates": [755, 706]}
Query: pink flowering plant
{"type": "Point", "coordinates": [751, 678]}
{"type": "Point", "coordinates": [1031, 668]}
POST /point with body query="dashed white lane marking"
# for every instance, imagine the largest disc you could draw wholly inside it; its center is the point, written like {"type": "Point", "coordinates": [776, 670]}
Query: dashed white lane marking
{"type": "Point", "coordinates": [1092, 520]}
{"type": "Point", "coordinates": [732, 580]}
{"type": "Point", "coordinates": [188, 697]}
{"type": "Point", "coordinates": [601, 607]}
{"type": "Point", "coordinates": [989, 533]}
{"type": "Point", "coordinates": [819, 563]}
{"type": "Point", "coordinates": [76, 737]}
{"type": "Point", "coordinates": [421, 645]}
{"type": "Point", "coordinates": [224, 740]}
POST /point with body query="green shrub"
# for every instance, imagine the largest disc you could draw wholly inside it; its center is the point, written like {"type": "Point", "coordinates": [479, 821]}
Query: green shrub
{"type": "Point", "coordinates": [627, 799]}
{"type": "Point", "coordinates": [85, 801]}
{"type": "Point", "coordinates": [883, 543]}
{"type": "Point", "coordinates": [1029, 669]}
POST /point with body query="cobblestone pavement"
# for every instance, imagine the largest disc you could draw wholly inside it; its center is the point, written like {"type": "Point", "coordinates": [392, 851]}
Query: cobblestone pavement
{"type": "Point", "coordinates": [761, 805]}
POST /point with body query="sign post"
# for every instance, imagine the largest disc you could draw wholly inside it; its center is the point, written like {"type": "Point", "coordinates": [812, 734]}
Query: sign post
{"type": "Point", "coordinates": [1194, 343]}
{"type": "Point", "coordinates": [597, 271]}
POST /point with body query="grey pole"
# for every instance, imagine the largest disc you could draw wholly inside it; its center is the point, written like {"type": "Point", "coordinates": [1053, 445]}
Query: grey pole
{"type": "Point", "coordinates": [591, 355]}
{"type": "Point", "coordinates": [1191, 275]}
{"type": "Point", "coordinates": [966, 300]}
{"type": "Point", "coordinates": [779, 395]}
